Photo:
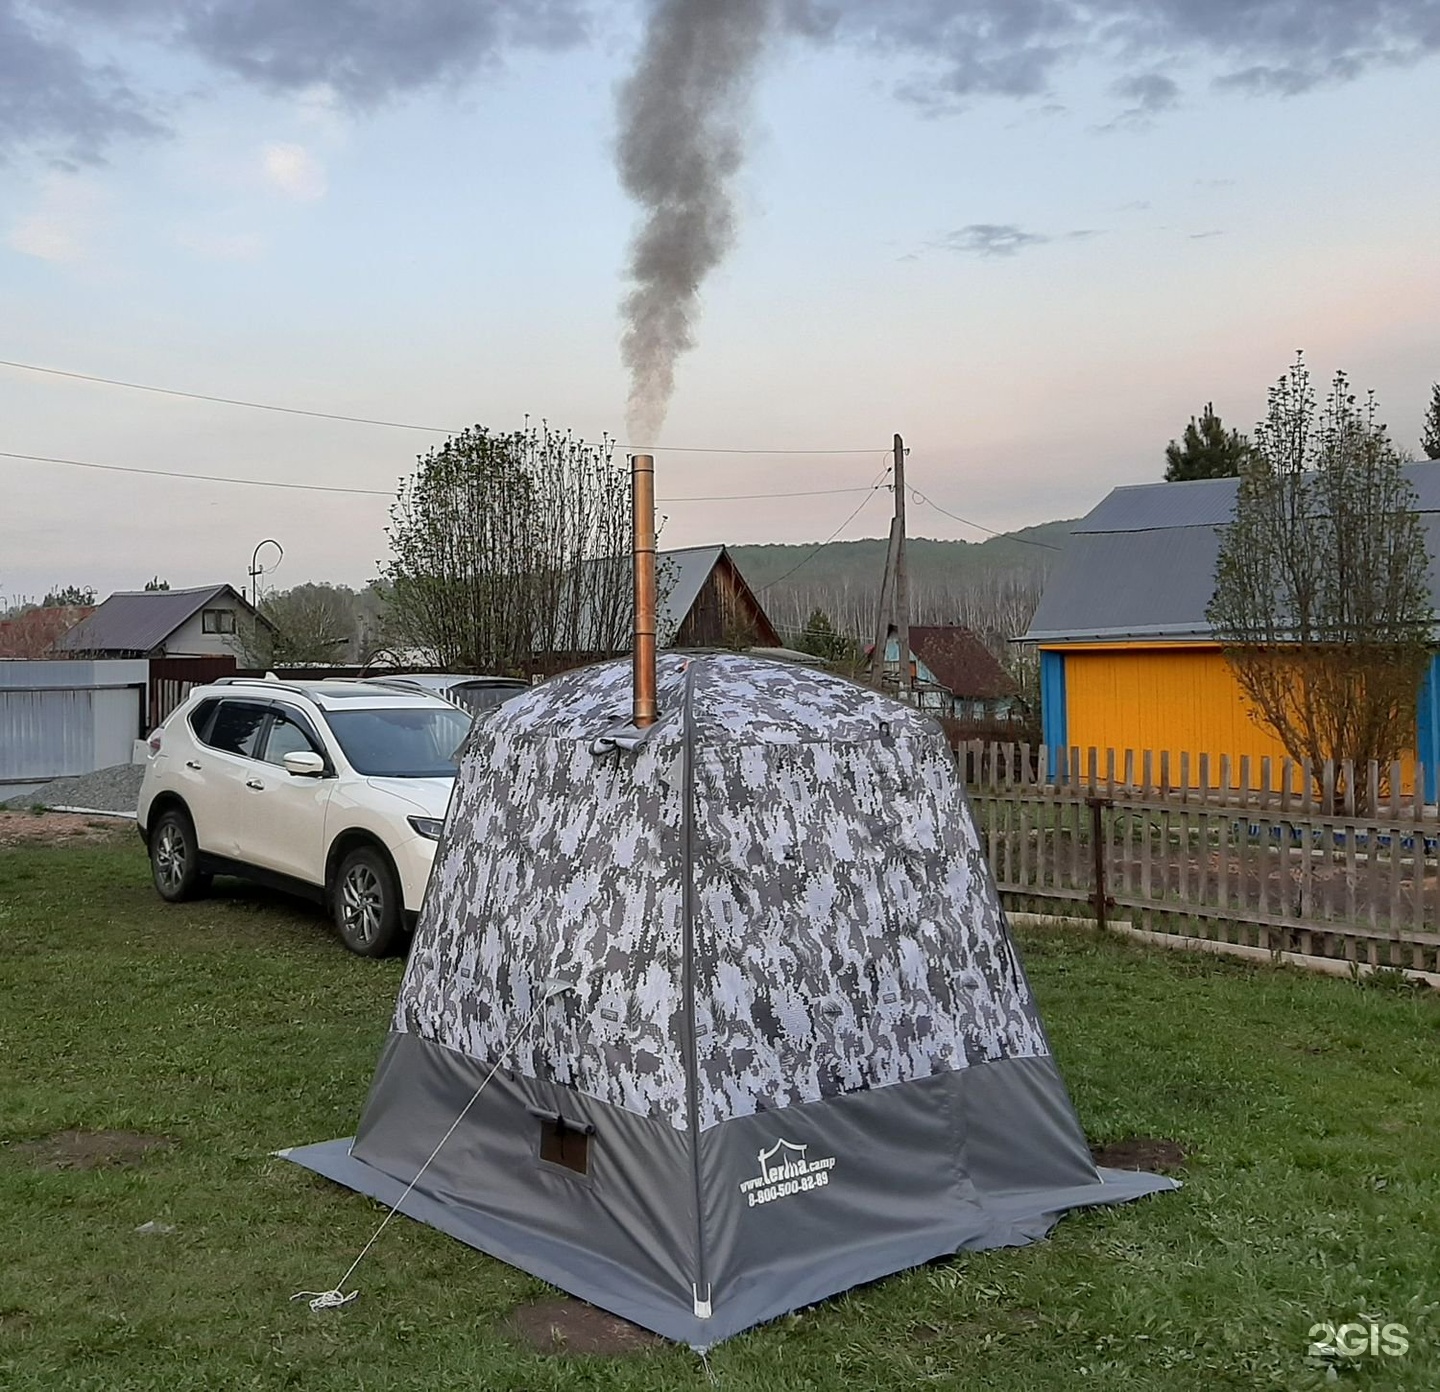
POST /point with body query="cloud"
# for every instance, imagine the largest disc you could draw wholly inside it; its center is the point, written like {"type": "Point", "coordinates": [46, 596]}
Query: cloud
{"type": "Point", "coordinates": [1004, 239]}
{"type": "Point", "coordinates": [366, 52]}
{"type": "Point", "coordinates": [1149, 94]}
{"type": "Point", "coordinates": [1266, 81]}
{"type": "Point", "coordinates": [53, 100]}
{"type": "Point", "coordinates": [991, 239]}
{"type": "Point", "coordinates": [61, 226]}
{"type": "Point", "coordinates": [1015, 48]}
{"type": "Point", "coordinates": [292, 170]}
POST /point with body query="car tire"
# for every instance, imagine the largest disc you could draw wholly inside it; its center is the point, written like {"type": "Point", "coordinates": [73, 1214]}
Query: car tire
{"type": "Point", "coordinates": [175, 858]}
{"type": "Point", "coordinates": [366, 905]}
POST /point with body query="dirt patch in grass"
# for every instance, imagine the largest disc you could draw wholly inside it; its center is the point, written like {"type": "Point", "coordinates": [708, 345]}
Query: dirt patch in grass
{"type": "Point", "coordinates": [91, 1150]}
{"type": "Point", "coordinates": [61, 829]}
{"type": "Point", "coordinates": [571, 1326]}
{"type": "Point", "coordinates": [1139, 1153]}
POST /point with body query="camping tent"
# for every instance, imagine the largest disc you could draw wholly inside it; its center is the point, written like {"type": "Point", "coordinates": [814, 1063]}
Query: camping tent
{"type": "Point", "coordinates": [799, 1052]}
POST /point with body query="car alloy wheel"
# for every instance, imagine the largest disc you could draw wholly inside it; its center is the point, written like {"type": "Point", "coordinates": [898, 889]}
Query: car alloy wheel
{"type": "Point", "coordinates": [171, 858]}
{"type": "Point", "coordinates": [366, 903]}
{"type": "Point", "coordinates": [362, 905]}
{"type": "Point", "coordinates": [175, 864]}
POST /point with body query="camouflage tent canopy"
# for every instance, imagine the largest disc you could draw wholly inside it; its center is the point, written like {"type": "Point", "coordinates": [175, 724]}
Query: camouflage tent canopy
{"type": "Point", "coordinates": [799, 1051]}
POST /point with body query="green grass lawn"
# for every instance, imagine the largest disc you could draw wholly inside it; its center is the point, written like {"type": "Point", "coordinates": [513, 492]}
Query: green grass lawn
{"type": "Point", "coordinates": [1309, 1109]}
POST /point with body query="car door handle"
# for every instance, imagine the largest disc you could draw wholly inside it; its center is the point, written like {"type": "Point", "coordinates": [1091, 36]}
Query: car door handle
{"type": "Point", "coordinates": [191, 763]}
{"type": "Point", "coordinates": [254, 783]}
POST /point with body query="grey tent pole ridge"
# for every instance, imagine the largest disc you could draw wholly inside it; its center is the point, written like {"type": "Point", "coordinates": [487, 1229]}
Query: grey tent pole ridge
{"type": "Point", "coordinates": [689, 1042]}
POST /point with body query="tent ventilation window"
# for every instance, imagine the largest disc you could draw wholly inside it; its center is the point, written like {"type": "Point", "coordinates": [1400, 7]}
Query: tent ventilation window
{"type": "Point", "coordinates": [564, 1143]}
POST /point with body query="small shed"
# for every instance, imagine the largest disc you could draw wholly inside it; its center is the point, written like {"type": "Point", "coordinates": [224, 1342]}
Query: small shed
{"type": "Point", "coordinates": [705, 602]}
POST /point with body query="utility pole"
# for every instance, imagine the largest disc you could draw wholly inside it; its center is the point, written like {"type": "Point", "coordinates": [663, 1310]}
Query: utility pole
{"type": "Point", "coordinates": [257, 570]}
{"type": "Point", "coordinates": [902, 574]}
{"type": "Point", "coordinates": [893, 613]}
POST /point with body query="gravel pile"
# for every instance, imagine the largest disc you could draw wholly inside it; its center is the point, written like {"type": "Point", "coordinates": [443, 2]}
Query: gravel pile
{"type": "Point", "coordinates": [115, 789]}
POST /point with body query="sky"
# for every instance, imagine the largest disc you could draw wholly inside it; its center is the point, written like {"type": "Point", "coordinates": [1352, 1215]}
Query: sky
{"type": "Point", "coordinates": [1031, 236]}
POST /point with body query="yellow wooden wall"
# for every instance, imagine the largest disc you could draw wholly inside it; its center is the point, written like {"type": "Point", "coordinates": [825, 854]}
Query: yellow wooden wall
{"type": "Point", "coordinates": [1183, 700]}
{"type": "Point", "coordinates": [1180, 698]}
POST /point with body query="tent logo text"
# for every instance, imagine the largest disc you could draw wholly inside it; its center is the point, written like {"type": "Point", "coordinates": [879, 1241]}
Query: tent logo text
{"type": "Point", "coordinates": [785, 1169]}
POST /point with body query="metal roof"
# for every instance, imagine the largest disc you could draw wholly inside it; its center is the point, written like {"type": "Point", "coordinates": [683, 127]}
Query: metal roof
{"type": "Point", "coordinates": [680, 576]}
{"type": "Point", "coordinates": [960, 662]}
{"type": "Point", "coordinates": [140, 620]}
{"type": "Point", "coordinates": [1142, 564]}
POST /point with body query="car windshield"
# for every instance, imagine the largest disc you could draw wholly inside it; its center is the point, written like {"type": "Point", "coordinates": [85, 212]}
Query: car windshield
{"type": "Point", "coordinates": [399, 742]}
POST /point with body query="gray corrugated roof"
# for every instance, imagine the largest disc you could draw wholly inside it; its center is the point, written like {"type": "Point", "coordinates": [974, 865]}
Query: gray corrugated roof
{"type": "Point", "coordinates": [1142, 564]}
{"type": "Point", "coordinates": [139, 620]}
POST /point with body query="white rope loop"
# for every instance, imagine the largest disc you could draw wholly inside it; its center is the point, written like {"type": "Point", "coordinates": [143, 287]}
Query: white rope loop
{"type": "Point", "coordinates": [335, 1298]}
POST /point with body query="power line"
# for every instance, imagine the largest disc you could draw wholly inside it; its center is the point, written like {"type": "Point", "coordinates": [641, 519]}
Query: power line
{"type": "Point", "coordinates": [375, 492]}
{"type": "Point", "coordinates": [919, 497]}
{"type": "Point", "coordinates": [226, 400]}
{"type": "Point", "coordinates": [745, 497]}
{"type": "Point", "coordinates": [366, 420]}
{"type": "Point", "coordinates": [201, 478]}
{"type": "Point", "coordinates": [805, 560]}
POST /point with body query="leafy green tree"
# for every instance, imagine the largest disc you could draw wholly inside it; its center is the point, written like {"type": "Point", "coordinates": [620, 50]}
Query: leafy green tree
{"type": "Point", "coordinates": [314, 625]}
{"type": "Point", "coordinates": [68, 596]}
{"type": "Point", "coordinates": [1322, 595]}
{"type": "Point", "coordinates": [1207, 450]}
{"type": "Point", "coordinates": [1430, 433]}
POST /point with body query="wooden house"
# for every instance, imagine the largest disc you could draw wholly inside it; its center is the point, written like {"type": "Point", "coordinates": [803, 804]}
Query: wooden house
{"type": "Point", "coordinates": [1127, 657]}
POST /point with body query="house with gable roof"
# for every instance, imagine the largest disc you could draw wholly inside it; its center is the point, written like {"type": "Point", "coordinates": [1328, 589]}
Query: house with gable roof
{"type": "Point", "coordinates": [1128, 660]}
{"type": "Point", "coordinates": [953, 674]}
{"type": "Point", "coordinates": [207, 621]}
{"type": "Point", "coordinates": [705, 602]}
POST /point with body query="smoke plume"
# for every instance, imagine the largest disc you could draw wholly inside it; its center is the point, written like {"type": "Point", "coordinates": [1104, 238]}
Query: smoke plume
{"type": "Point", "coordinates": [682, 117]}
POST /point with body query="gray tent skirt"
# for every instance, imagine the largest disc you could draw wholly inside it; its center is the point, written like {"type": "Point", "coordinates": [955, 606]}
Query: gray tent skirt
{"type": "Point", "coordinates": [698, 1238]}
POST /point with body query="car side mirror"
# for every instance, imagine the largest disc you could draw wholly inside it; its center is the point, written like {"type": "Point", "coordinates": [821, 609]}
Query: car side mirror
{"type": "Point", "coordinates": [304, 763]}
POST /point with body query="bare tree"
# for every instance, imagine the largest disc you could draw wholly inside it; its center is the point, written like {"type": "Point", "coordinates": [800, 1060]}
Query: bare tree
{"type": "Point", "coordinates": [504, 546]}
{"type": "Point", "coordinates": [1322, 595]}
{"type": "Point", "coordinates": [996, 605]}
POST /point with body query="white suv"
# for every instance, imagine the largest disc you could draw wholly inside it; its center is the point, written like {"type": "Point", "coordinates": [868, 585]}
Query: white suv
{"type": "Point", "coordinates": [336, 790]}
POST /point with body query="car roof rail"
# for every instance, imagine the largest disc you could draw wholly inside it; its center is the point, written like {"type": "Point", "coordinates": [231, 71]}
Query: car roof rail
{"type": "Point", "coordinates": [267, 683]}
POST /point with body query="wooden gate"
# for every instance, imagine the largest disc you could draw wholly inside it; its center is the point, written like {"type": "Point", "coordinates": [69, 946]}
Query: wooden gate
{"type": "Point", "coordinates": [173, 678]}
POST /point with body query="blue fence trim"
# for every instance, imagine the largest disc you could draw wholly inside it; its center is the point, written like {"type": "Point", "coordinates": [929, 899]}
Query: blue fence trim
{"type": "Point", "coordinates": [1296, 835]}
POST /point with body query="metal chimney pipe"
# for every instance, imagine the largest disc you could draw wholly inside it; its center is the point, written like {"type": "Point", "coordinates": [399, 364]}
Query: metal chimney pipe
{"type": "Point", "coordinates": [642, 493]}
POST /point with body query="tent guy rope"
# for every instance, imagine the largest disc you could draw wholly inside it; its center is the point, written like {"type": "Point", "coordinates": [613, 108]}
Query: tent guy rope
{"type": "Point", "coordinates": [334, 1298]}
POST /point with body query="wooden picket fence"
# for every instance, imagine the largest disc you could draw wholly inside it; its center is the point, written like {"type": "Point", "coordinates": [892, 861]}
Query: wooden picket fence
{"type": "Point", "coordinates": [1336, 868]}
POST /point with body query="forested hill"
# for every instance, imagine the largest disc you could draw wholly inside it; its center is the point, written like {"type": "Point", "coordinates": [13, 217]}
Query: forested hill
{"type": "Point", "coordinates": [937, 564]}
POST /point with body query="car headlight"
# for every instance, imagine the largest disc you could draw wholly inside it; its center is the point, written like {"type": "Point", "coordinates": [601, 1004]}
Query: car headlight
{"type": "Point", "coordinates": [428, 827]}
